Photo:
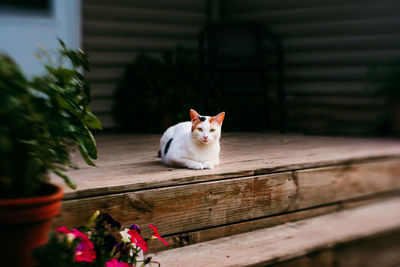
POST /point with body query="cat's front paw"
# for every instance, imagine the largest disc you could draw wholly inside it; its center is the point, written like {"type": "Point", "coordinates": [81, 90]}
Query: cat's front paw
{"type": "Point", "coordinates": [208, 165]}
{"type": "Point", "coordinates": [196, 166]}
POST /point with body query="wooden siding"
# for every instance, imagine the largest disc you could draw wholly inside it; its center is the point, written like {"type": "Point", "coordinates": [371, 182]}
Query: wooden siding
{"type": "Point", "coordinates": [329, 47]}
{"type": "Point", "coordinates": [114, 32]}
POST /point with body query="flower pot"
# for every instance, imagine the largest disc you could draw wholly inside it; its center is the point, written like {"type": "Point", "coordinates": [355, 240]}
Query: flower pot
{"type": "Point", "coordinates": [25, 223]}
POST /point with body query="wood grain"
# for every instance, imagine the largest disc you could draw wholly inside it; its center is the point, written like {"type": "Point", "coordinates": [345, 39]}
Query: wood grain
{"type": "Point", "coordinates": [190, 207]}
{"type": "Point", "coordinates": [194, 237]}
{"type": "Point", "coordinates": [327, 185]}
{"type": "Point", "coordinates": [291, 240]}
{"type": "Point", "coordinates": [129, 163]}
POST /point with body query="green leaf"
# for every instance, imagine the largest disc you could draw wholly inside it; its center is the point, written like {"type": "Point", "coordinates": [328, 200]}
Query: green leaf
{"type": "Point", "coordinates": [88, 144]}
{"type": "Point", "coordinates": [85, 156]}
{"type": "Point", "coordinates": [91, 121]}
{"type": "Point", "coordinates": [62, 43]}
{"type": "Point", "coordinates": [66, 179]}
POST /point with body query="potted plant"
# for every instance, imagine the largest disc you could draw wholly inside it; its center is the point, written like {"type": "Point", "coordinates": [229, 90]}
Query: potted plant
{"type": "Point", "coordinates": [41, 119]}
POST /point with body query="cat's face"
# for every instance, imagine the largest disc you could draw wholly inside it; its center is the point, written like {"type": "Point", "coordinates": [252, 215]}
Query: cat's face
{"type": "Point", "coordinates": [205, 129]}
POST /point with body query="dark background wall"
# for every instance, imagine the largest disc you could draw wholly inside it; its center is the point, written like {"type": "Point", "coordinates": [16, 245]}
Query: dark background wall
{"type": "Point", "coordinates": [330, 48]}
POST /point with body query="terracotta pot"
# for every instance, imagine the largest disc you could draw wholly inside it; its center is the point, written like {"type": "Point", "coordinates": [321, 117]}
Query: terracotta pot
{"type": "Point", "coordinates": [25, 223]}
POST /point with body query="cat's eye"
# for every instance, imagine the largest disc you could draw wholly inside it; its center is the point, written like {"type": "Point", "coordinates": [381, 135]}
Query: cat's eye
{"type": "Point", "coordinates": [200, 129]}
{"type": "Point", "coordinates": [212, 130]}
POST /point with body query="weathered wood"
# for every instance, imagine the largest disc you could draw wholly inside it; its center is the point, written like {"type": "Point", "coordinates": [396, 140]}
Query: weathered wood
{"type": "Point", "coordinates": [194, 237]}
{"type": "Point", "coordinates": [292, 240]}
{"type": "Point", "coordinates": [382, 250]}
{"type": "Point", "coordinates": [129, 162]}
{"type": "Point", "coordinates": [190, 207]}
{"type": "Point", "coordinates": [327, 185]}
{"type": "Point", "coordinates": [189, 238]}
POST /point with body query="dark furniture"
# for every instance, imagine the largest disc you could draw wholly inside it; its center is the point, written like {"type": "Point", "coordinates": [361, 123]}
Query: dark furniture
{"type": "Point", "coordinates": [233, 56]}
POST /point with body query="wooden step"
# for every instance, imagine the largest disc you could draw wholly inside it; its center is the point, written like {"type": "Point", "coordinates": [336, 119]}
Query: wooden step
{"type": "Point", "coordinates": [264, 180]}
{"type": "Point", "coordinates": [363, 236]}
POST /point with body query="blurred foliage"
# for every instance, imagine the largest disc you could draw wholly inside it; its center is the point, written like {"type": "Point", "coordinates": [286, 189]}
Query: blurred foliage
{"type": "Point", "coordinates": [40, 120]}
{"type": "Point", "coordinates": [157, 92]}
{"type": "Point", "coordinates": [387, 78]}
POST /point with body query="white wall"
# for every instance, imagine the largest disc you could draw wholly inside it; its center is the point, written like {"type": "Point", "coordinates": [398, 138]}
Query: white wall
{"type": "Point", "coordinates": [21, 33]}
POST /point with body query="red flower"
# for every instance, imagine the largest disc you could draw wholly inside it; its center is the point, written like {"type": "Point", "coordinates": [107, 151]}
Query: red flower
{"type": "Point", "coordinates": [157, 235]}
{"type": "Point", "coordinates": [138, 240]}
{"type": "Point", "coordinates": [116, 263]}
{"type": "Point", "coordinates": [85, 250]}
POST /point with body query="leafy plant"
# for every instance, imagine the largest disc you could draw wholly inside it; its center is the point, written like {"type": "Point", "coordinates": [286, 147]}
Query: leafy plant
{"type": "Point", "coordinates": [41, 119]}
{"type": "Point", "coordinates": [99, 243]}
{"type": "Point", "coordinates": [157, 92]}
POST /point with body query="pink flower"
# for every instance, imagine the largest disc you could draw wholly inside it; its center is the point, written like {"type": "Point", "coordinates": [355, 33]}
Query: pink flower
{"type": "Point", "coordinates": [157, 235]}
{"type": "Point", "coordinates": [116, 263]}
{"type": "Point", "coordinates": [85, 250]}
{"type": "Point", "coordinates": [138, 240]}
{"type": "Point", "coordinates": [76, 233]}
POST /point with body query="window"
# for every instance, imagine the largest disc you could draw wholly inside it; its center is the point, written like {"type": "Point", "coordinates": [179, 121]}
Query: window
{"type": "Point", "coordinates": [39, 7]}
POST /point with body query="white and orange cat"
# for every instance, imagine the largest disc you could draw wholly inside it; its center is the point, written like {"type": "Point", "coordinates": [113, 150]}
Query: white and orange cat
{"type": "Point", "coordinates": [193, 144]}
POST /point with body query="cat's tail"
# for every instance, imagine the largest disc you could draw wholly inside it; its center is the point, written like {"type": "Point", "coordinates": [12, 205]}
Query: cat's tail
{"type": "Point", "coordinates": [159, 154]}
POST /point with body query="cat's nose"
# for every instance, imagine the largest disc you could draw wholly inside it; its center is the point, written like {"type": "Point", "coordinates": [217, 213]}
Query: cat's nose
{"type": "Point", "coordinates": [205, 137]}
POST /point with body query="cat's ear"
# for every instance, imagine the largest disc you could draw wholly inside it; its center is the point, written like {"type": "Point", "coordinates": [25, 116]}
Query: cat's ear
{"type": "Point", "coordinates": [194, 115]}
{"type": "Point", "coordinates": [220, 117]}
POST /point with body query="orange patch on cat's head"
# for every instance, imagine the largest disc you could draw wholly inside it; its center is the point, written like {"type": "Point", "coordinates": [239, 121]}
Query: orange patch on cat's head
{"type": "Point", "coordinates": [195, 118]}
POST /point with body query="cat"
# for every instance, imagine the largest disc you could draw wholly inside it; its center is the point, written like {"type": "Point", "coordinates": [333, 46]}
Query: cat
{"type": "Point", "coordinates": [193, 144]}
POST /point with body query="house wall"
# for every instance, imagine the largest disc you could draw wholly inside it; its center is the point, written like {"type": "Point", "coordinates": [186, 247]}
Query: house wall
{"type": "Point", "coordinates": [330, 47]}
{"type": "Point", "coordinates": [115, 32]}
{"type": "Point", "coordinates": [23, 31]}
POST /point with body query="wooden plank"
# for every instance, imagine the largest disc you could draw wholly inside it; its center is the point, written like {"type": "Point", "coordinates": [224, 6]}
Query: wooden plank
{"type": "Point", "coordinates": [190, 207]}
{"type": "Point", "coordinates": [344, 43]}
{"type": "Point", "coordinates": [339, 28]}
{"type": "Point", "coordinates": [343, 58]}
{"type": "Point", "coordinates": [103, 90]}
{"type": "Point", "coordinates": [107, 121]}
{"type": "Point", "coordinates": [104, 74]}
{"type": "Point", "coordinates": [332, 114]}
{"type": "Point", "coordinates": [325, 73]}
{"type": "Point", "coordinates": [184, 5]}
{"type": "Point", "coordinates": [240, 6]}
{"type": "Point", "coordinates": [126, 28]}
{"type": "Point", "coordinates": [152, 14]}
{"type": "Point", "coordinates": [319, 14]}
{"type": "Point", "coordinates": [129, 162]}
{"type": "Point", "coordinates": [288, 241]}
{"type": "Point", "coordinates": [326, 185]}
{"type": "Point", "coordinates": [194, 237]}
{"type": "Point", "coordinates": [339, 101]}
{"type": "Point", "coordinates": [101, 43]}
{"type": "Point", "coordinates": [102, 105]}
{"type": "Point", "coordinates": [382, 250]}
{"type": "Point", "coordinates": [346, 88]}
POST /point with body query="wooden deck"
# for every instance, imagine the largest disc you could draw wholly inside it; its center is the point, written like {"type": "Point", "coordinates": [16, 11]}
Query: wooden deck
{"type": "Point", "coordinates": [129, 162]}
{"type": "Point", "coordinates": [263, 180]}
